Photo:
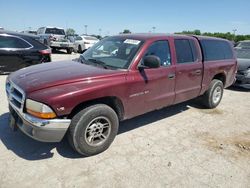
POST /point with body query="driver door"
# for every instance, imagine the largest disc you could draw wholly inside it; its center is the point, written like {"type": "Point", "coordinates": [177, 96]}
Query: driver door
{"type": "Point", "coordinates": [153, 88]}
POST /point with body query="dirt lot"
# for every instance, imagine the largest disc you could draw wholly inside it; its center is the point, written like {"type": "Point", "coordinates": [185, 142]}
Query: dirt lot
{"type": "Point", "coordinates": [179, 146]}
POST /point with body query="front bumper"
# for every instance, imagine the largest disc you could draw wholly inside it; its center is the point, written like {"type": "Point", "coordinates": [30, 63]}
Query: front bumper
{"type": "Point", "coordinates": [243, 79]}
{"type": "Point", "coordinates": [40, 129]}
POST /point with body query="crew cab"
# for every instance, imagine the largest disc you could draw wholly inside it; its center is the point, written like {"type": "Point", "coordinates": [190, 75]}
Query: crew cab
{"type": "Point", "coordinates": [120, 77]}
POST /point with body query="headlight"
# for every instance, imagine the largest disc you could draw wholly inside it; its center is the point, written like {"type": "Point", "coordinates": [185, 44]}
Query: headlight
{"type": "Point", "coordinates": [39, 110]}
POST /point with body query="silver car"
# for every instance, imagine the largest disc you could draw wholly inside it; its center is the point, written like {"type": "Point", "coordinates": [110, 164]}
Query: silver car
{"type": "Point", "coordinates": [243, 58]}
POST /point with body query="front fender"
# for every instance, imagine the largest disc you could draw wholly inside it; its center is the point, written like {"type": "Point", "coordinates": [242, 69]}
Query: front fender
{"type": "Point", "coordinates": [64, 98]}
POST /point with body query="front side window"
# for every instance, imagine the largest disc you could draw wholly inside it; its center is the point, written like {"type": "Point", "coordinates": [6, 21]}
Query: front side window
{"type": "Point", "coordinates": [160, 49]}
{"type": "Point", "coordinates": [40, 30]}
{"type": "Point", "coordinates": [115, 52]}
{"type": "Point", "coordinates": [185, 51]}
{"type": "Point", "coordinates": [12, 42]}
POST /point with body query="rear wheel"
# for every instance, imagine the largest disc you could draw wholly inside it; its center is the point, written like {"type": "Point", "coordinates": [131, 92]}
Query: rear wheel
{"type": "Point", "coordinates": [45, 42]}
{"type": "Point", "coordinates": [79, 49]}
{"type": "Point", "coordinates": [93, 129]}
{"type": "Point", "coordinates": [53, 50]}
{"type": "Point", "coordinates": [213, 95]}
{"type": "Point", "coordinates": [69, 50]}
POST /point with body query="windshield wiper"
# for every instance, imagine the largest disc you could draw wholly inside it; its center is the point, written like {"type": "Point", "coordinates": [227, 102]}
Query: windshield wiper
{"type": "Point", "coordinates": [82, 60]}
{"type": "Point", "coordinates": [104, 65]}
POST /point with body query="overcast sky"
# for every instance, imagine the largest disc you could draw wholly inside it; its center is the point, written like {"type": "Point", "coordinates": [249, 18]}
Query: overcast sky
{"type": "Point", "coordinates": [113, 16]}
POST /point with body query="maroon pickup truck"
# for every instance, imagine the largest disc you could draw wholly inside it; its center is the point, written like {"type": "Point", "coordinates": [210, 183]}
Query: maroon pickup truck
{"type": "Point", "coordinates": [118, 78]}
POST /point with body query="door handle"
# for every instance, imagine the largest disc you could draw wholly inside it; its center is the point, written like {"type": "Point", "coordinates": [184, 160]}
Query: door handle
{"type": "Point", "coordinates": [171, 76]}
{"type": "Point", "coordinates": [196, 72]}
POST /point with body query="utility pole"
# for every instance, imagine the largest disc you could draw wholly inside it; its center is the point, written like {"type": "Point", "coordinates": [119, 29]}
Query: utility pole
{"type": "Point", "coordinates": [153, 28]}
{"type": "Point", "coordinates": [100, 32]}
{"type": "Point", "coordinates": [234, 31]}
{"type": "Point", "coordinates": [86, 29]}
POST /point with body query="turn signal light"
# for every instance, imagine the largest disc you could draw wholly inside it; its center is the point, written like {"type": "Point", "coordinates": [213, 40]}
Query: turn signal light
{"type": "Point", "coordinates": [48, 115]}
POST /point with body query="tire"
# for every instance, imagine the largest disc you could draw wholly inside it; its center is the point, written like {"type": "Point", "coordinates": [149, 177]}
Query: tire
{"type": "Point", "coordinates": [45, 42]}
{"type": "Point", "coordinates": [54, 50]}
{"type": "Point", "coordinates": [79, 49]}
{"type": "Point", "coordinates": [84, 134]}
{"type": "Point", "coordinates": [213, 95]}
{"type": "Point", "coordinates": [69, 50]}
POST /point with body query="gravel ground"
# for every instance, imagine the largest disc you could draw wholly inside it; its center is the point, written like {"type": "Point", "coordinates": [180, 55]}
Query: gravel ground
{"type": "Point", "coordinates": [180, 146]}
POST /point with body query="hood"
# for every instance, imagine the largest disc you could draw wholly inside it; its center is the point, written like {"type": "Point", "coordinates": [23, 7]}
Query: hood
{"type": "Point", "coordinates": [243, 64]}
{"type": "Point", "coordinates": [46, 75]}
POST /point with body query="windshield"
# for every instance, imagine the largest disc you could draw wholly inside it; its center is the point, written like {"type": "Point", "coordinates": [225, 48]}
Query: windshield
{"type": "Point", "coordinates": [90, 38]}
{"type": "Point", "coordinates": [55, 31]}
{"type": "Point", "coordinates": [115, 52]}
{"type": "Point", "coordinates": [244, 44]}
{"type": "Point", "coordinates": [243, 53]}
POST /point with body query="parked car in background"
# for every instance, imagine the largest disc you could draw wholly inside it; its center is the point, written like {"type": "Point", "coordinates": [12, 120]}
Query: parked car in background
{"type": "Point", "coordinates": [30, 32]}
{"type": "Point", "coordinates": [56, 38]}
{"type": "Point", "coordinates": [118, 78]}
{"type": "Point", "coordinates": [19, 50]}
{"type": "Point", "coordinates": [82, 43]}
{"type": "Point", "coordinates": [243, 73]}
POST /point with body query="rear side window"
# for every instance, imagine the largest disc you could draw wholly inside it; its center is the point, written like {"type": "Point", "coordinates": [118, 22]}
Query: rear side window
{"type": "Point", "coordinates": [160, 49]}
{"type": "Point", "coordinates": [36, 43]}
{"type": "Point", "coordinates": [186, 51]}
{"type": "Point", "coordinates": [13, 42]}
{"type": "Point", "coordinates": [78, 38]}
{"type": "Point", "coordinates": [216, 50]}
{"type": "Point", "coordinates": [90, 38]}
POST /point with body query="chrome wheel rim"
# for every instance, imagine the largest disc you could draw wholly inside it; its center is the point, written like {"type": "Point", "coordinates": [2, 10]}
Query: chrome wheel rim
{"type": "Point", "coordinates": [217, 94]}
{"type": "Point", "coordinates": [97, 131]}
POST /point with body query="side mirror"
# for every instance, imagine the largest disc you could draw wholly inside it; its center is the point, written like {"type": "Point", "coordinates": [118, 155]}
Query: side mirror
{"type": "Point", "coordinates": [150, 61]}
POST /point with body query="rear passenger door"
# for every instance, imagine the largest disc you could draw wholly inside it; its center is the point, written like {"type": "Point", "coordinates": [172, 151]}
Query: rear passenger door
{"type": "Point", "coordinates": [189, 69]}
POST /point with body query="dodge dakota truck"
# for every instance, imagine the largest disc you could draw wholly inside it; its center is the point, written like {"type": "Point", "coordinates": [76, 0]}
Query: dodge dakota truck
{"type": "Point", "coordinates": [120, 77]}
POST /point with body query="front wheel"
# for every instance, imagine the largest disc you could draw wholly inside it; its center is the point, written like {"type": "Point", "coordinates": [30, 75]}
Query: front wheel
{"type": "Point", "coordinates": [45, 42]}
{"type": "Point", "coordinates": [93, 129]}
{"type": "Point", "coordinates": [213, 95]}
{"type": "Point", "coordinates": [79, 49]}
{"type": "Point", "coordinates": [69, 50]}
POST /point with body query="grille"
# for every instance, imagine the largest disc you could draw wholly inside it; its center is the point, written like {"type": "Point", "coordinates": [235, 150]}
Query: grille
{"type": "Point", "coordinates": [15, 95]}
